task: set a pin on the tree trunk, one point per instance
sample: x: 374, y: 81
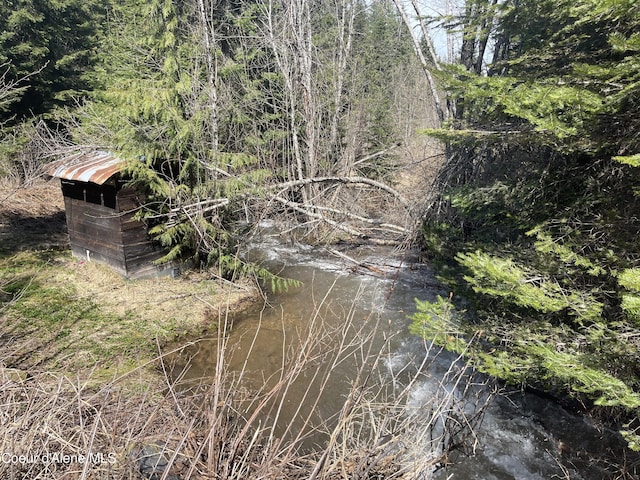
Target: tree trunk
x: 346, y: 22
x: 442, y: 113
x: 210, y: 44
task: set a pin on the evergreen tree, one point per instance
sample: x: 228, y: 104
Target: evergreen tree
x: 383, y: 51
x: 540, y: 228
x: 155, y: 110
x: 56, y: 43
x: 214, y: 102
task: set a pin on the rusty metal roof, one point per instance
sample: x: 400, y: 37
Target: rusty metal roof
x: 94, y: 167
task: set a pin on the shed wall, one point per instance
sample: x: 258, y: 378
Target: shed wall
x: 139, y: 251
x: 94, y: 233
x: 102, y: 228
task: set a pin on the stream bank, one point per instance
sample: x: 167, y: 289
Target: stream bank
x: 522, y: 435
x: 82, y: 384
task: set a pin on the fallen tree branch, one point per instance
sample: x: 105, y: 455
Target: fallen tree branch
x: 357, y: 263
x: 370, y: 221
x: 312, y: 212
x: 366, y: 158
x: 345, y: 180
x: 299, y: 208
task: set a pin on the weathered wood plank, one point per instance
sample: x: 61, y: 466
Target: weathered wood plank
x: 104, y: 227
x: 138, y: 235
x: 79, y: 252
x: 89, y: 242
x: 134, y: 256
x: 130, y: 224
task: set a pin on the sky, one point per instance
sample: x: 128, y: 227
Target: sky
x: 445, y: 45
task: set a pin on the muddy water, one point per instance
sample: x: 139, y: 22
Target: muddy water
x: 522, y: 436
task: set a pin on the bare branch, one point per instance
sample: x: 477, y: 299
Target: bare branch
x: 346, y: 180
x: 11, y: 88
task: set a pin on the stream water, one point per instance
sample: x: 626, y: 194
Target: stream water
x: 522, y: 435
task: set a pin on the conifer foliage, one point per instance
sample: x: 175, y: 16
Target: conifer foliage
x: 159, y: 110
x: 58, y: 40
x: 230, y: 110
x: 539, y: 220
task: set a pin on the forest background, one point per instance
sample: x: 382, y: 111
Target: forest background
x: 234, y: 111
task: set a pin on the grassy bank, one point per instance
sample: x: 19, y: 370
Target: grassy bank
x: 80, y: 348
x: 59, y: 313
x: 85, y: 391
x: 65, y: 314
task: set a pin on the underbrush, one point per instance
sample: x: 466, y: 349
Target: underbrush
x: 56, y: 424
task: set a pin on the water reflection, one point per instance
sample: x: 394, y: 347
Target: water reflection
x: 520, y: 435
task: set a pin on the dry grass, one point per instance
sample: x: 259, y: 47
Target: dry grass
x: 41, y: 199
x: 222, y: 430
x: 85, y: 393
x: 157, y: 301
x: 48, y: 416
x: 31, y: 217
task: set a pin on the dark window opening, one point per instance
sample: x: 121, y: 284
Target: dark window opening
x: 90, y: 192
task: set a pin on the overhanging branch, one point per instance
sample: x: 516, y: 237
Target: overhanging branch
x: 345, y: 180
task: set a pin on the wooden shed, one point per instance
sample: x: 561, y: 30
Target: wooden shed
x: 100, y: 211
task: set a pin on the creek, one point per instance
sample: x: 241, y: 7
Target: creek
x: 522, y: 436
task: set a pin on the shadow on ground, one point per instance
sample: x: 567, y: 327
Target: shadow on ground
x: 32, y: 218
